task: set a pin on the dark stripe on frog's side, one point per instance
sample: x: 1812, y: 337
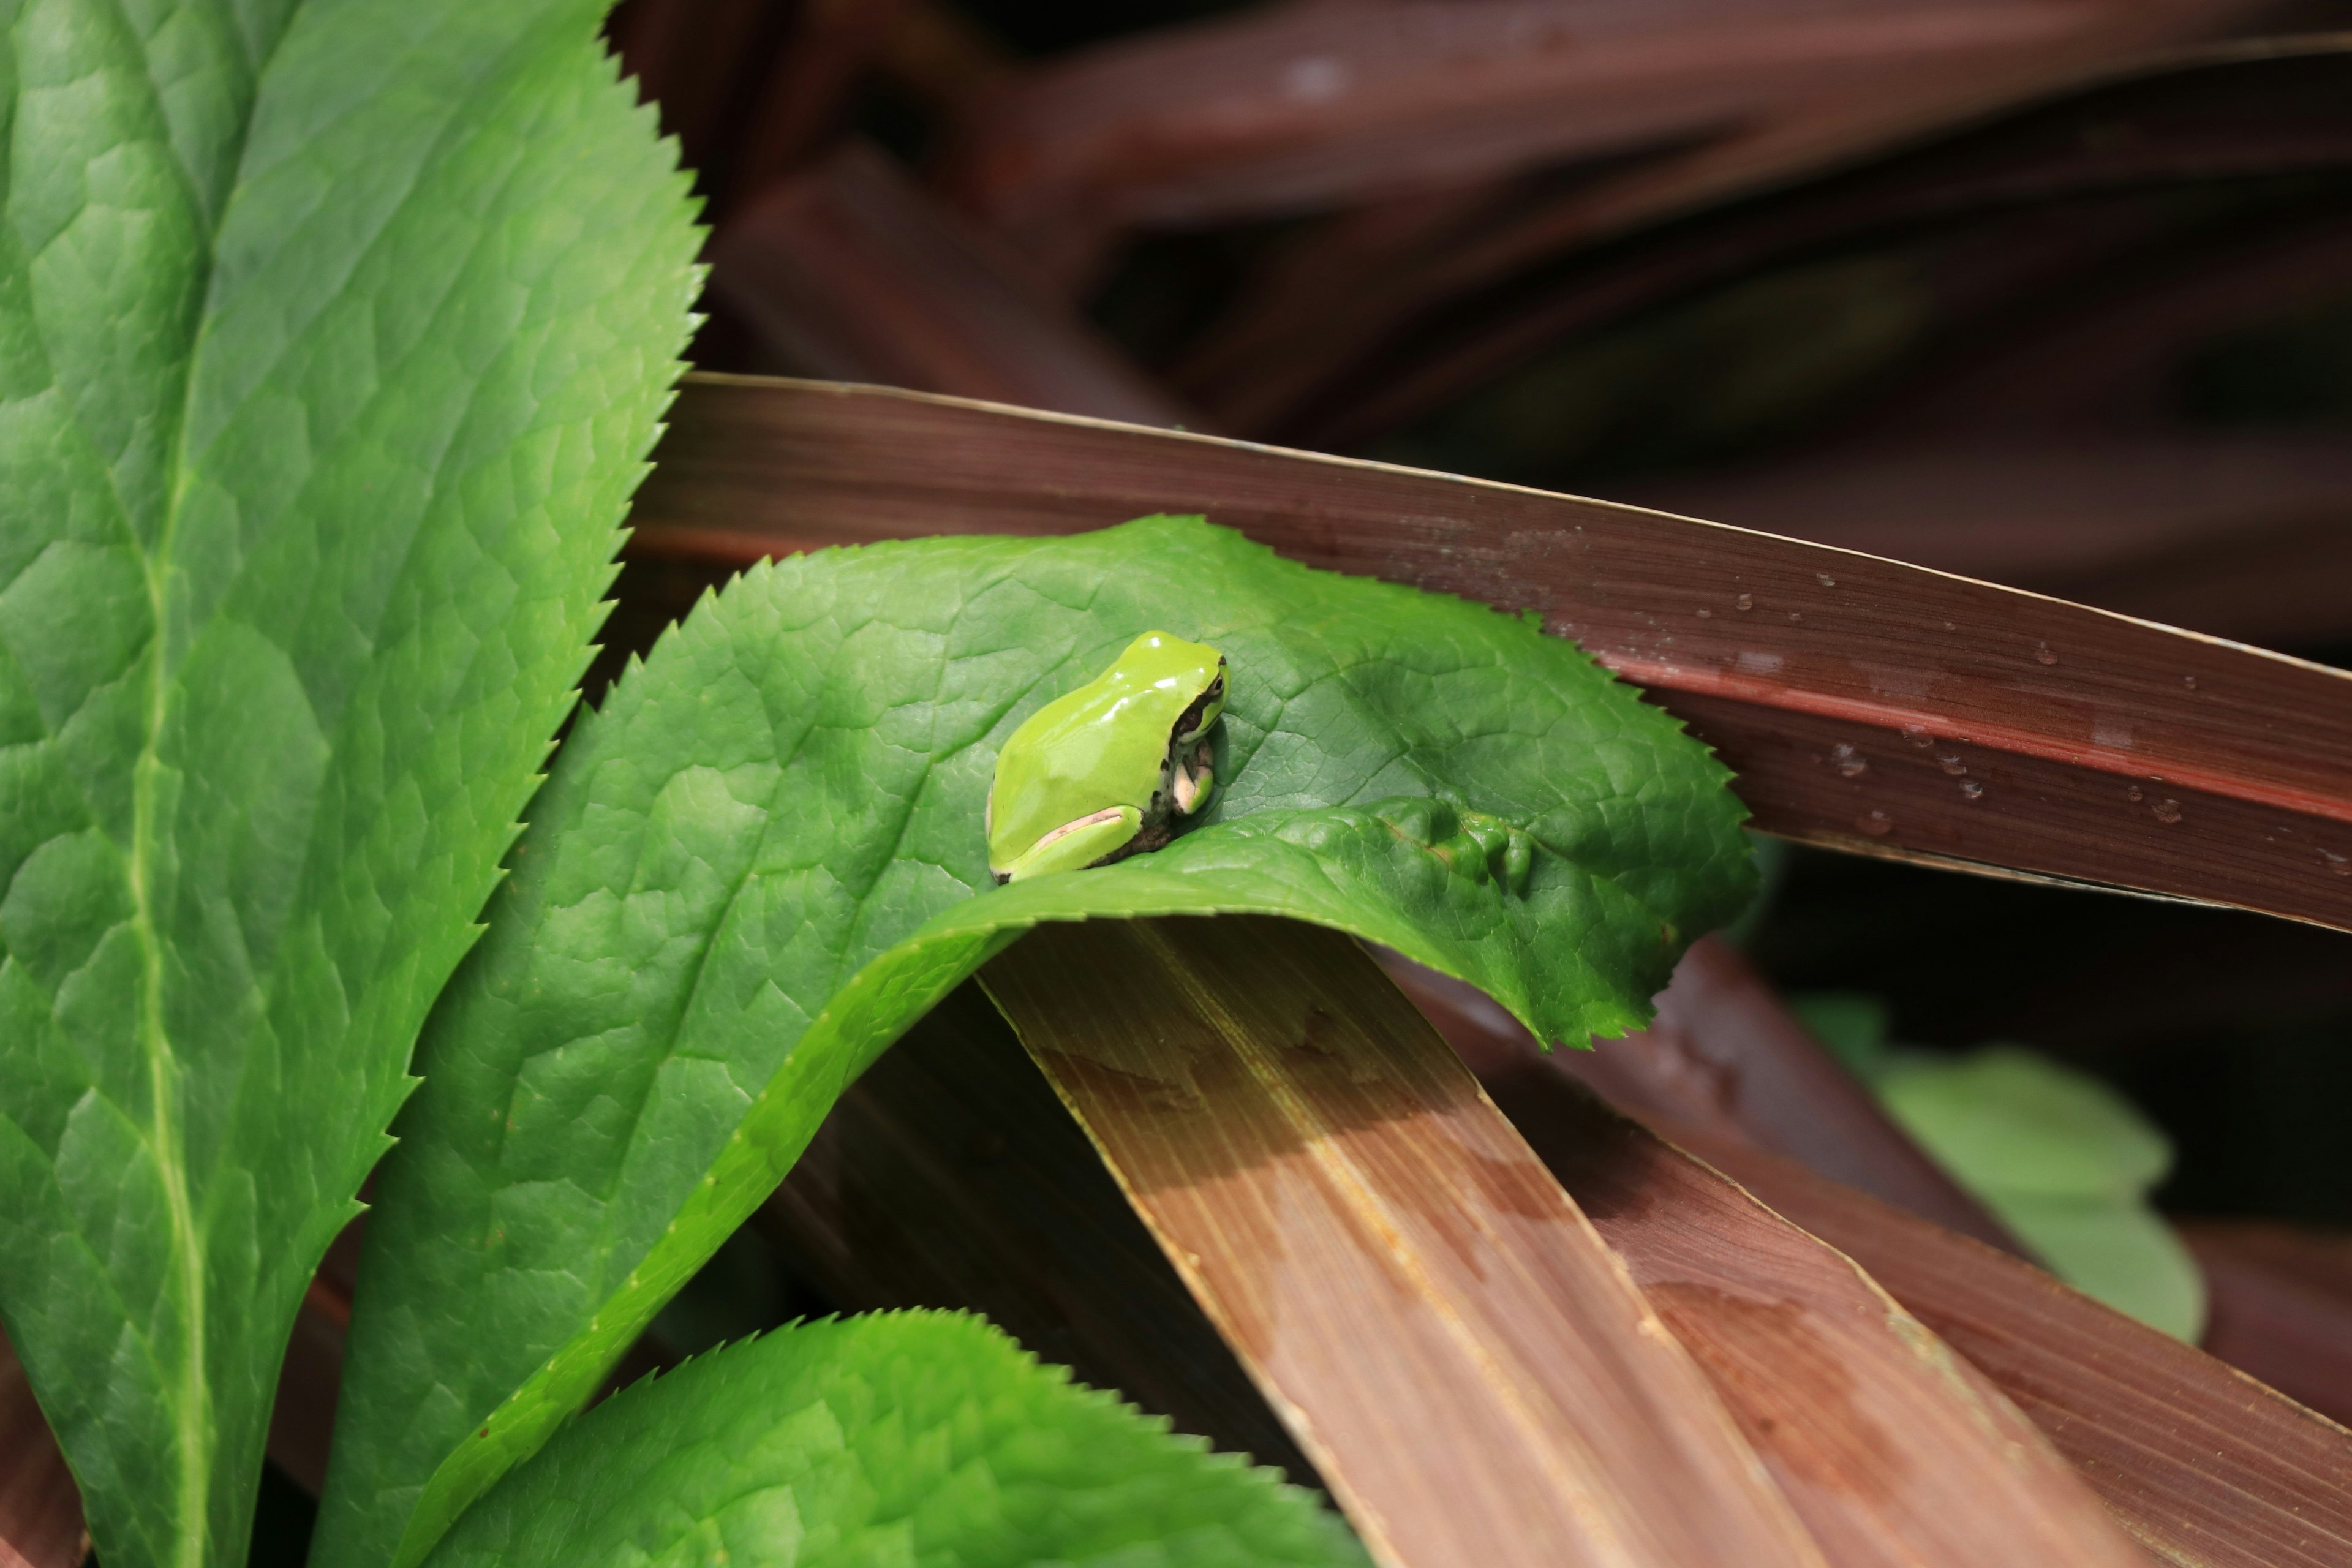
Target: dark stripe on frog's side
x: 1188, y: 721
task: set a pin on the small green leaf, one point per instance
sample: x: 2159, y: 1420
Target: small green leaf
x: 764, y: 860
x: 1851, y: 1027
x: 332, y: 337
x: 2014, y: 1118
x: 917, y: 1437
x: 2118, y: 1252
x: 2064, y: 1161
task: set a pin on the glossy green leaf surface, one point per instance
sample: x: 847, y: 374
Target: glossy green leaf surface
x: 764, y: 858
x: 917, y: 1437
x: 332, y: 341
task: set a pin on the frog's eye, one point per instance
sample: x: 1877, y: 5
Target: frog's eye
x: 1190, y: 724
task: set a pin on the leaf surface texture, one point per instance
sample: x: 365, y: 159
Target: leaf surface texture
x: 915, y: 1438
x: 332, y: 338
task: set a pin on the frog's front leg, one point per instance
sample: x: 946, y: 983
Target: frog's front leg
x: 1076, y: 844
x: 1192, y: 779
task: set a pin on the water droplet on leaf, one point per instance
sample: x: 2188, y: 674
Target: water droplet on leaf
x: 1746, y: 601
x: 1850, y: 762
x: 2043, y: 656
x: 2167, y: 811
x: 1877, y: 823
x: 1971, y: 790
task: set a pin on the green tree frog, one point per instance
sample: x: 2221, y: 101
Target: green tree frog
x: 1111, y: 768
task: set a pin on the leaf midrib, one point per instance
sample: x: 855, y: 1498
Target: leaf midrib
x: 164, y: 1135
x: 192, y: 1423
x: 191, y: 1420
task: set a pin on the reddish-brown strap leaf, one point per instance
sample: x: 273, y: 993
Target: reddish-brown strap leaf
x: 2206, y: 1467
x: 702, y: 61
x: 950, y: 1176
x: 751, y: 89
x: 2281, y: 1306
x: 1865, y: 704
x: 302, y: 1418
x: 1417, y: 325
x: 2080, y: 319
x: 849, y: 269
x: 1893, y: 1448
x: 1725, y: 1055
x: 807, y: 91
x: 1469, y: 1369
x: 40, y: 1507
x: 2238, y: 536
x: 1285, y: 107
x: 942, y: 58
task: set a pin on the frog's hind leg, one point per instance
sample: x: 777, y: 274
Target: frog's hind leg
x: 1106, y: 836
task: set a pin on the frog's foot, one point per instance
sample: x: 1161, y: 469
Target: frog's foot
x: 1191, y: 780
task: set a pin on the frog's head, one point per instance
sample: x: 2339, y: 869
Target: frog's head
x: 1179, y: 667
x: 1172, y: 668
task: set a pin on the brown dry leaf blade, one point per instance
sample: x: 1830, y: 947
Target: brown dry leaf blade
x: 1865, y: 704
x: 2040, y: 444
x: 2207, y: 1467
x: 850, y: 269
x: 1892, y: 1447
x: 1725, y: 1055
x: 1508, y: 287
x: 2281, y: 1307
x: 950, y: 1176
x: 749, y: 90
x: 40, y: 1508
x: 2238, y: 536
x: 2203, y: 1466
x: 1443, y: 292
x: 1288, y: 107
x: 1328, y: 1181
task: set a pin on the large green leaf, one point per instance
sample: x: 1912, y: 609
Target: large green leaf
x: 764, y: 860
x: 917, y: 1437
x: 332, y: 341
